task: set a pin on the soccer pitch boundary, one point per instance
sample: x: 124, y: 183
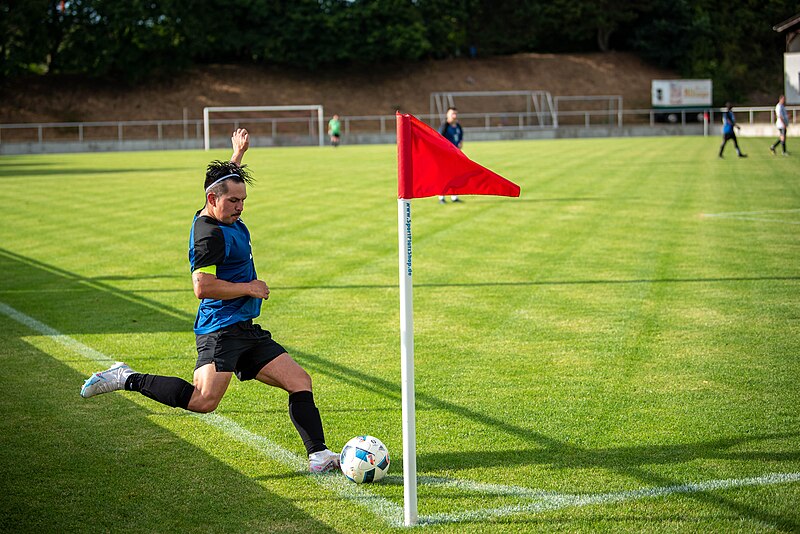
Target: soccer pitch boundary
x: 392, y: 513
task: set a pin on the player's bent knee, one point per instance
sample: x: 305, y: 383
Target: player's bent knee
x: 300, y: 381
x: 202, y: 404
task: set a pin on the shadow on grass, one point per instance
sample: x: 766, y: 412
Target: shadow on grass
x: 101, y: 465
x: 36, y: 170
x: 565, y: 456
x: 629, y: 461
x: 101, y: 308
x: 710, y: 280
x: 83, y: 305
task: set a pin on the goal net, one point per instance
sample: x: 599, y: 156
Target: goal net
x: 267, y: 125
x: 496, y: 109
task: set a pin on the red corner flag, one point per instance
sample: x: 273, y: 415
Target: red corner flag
x: 430, y: 165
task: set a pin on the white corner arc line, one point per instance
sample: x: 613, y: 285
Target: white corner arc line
x: 558, y: 501
x: 381, y: 507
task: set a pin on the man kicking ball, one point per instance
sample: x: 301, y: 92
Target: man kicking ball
x: 228, y: 342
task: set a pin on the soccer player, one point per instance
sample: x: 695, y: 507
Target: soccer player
x: 228, y: 342
x: 728, y: 124
x: 451, y: 130
x: 782, y: 124
x: 334, y: 130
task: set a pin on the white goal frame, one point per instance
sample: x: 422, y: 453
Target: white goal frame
x: 227, y: 109
x: 538, y: 103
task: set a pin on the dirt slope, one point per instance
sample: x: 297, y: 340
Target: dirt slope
x: 372, y: 90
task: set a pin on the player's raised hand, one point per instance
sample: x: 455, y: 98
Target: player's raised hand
x: 240, y: 140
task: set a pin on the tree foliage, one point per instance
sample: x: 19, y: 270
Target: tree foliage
x: 731, y: 42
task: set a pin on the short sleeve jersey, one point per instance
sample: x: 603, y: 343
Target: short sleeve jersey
x: 452, y: 133
x: 727, y: 122
x: 781, y: 117
x: 334, y: 127
x: 223, y: 250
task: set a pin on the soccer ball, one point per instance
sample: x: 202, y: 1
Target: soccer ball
x: 364, y: 459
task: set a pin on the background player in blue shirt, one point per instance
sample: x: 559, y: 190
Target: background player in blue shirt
x: 228, y: 342
x: 451, y: 130
x: 728, y: 125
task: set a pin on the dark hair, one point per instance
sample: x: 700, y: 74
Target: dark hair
x: 453, y: 108
x: 217, y: 169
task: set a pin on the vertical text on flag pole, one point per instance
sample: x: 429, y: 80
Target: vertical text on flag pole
x: 408, y: 237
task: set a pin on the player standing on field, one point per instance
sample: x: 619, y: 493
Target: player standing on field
x: 782, y: 124
x: 335, y: 130
x: 728, y: 124
x: 452, y: 131
x: 228, y: 342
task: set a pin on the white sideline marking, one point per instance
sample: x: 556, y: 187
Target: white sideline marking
x: 385, y: 509
x: 391, y: 512
x: 478, y: 487
x: 557, y: 501
x: 70, y: 343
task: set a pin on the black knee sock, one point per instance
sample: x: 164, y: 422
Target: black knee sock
x: 783, y: 145
x: 305, y: 416
x: 168, y: 390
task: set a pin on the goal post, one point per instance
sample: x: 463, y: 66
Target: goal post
x: 533, y: 109
x: 237, y: 109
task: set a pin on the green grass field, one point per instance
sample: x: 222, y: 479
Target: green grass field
x: 616, y: 350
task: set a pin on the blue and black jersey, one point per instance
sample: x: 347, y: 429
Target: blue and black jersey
x: 728, y: 122
x: 452, y: 133
x: 224, y: 251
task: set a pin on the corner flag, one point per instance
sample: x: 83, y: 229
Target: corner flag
x: 430, y: 165
x: 427, y: 165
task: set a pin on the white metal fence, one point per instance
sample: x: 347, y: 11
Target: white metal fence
x: 305, y: 130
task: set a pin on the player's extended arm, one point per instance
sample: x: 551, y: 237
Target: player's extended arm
x: 240, y: 140
x: 208, y: 286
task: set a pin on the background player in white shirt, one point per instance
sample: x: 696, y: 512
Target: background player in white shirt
x: 782, y: 124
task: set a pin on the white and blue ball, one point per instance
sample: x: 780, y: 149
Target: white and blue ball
x: 364, y: 459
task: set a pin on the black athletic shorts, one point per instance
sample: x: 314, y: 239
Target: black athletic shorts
x: 242, y: 348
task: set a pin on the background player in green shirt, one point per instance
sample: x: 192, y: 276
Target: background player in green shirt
x: 334, y: 130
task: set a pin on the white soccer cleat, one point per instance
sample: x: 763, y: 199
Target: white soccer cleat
x: 323, y: 461
x: 112, y: 379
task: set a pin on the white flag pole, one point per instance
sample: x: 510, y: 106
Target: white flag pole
x: 407, y: 363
